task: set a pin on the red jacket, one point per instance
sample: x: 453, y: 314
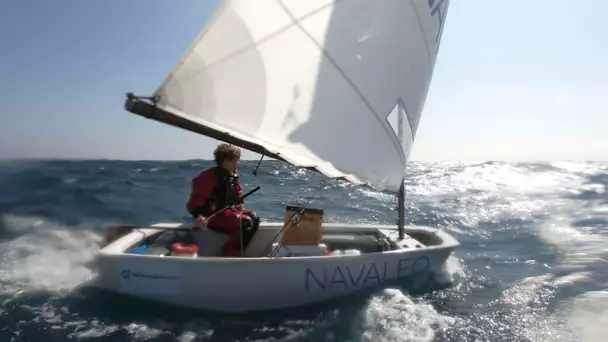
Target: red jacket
x: 202, y: 188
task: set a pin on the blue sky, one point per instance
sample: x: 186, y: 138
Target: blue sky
x: 515, y: 80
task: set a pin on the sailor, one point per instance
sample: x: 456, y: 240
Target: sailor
x: 219, y: 187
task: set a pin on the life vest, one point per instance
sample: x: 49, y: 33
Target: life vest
x: 225, y: 193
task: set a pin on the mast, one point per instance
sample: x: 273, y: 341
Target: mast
x: 401, y: 211
x: 401, y: 193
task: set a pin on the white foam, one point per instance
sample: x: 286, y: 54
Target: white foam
x: 450, y: 269
x: 586, y: 317
x: 392, y: 316
x: 46, y: 255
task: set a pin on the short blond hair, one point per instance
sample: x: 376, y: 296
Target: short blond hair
x: 225, y: 151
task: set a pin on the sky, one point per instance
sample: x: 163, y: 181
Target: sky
x: 515, y: 80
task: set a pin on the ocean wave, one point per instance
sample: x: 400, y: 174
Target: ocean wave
x: 531, y: 266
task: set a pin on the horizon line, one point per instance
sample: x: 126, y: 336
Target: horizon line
x: 275, y: 160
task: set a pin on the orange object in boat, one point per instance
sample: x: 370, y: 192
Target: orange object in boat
x: 184, y: 249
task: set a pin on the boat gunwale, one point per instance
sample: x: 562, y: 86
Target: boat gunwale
x: 448, y: 243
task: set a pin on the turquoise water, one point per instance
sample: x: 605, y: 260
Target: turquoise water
x: 532, y: 265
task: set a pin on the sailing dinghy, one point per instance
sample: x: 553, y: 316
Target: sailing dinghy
x: 333, y: 86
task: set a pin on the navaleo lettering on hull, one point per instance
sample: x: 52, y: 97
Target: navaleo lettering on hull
x: 366, y: 274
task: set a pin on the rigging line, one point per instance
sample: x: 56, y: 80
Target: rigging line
x: 255, y: 171
x: 294, y: 218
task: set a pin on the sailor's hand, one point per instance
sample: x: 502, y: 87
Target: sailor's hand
x: 201, y: 222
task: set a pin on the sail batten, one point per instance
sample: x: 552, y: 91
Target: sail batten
x: 314, y: 83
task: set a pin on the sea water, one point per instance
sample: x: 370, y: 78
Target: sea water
x: 532, y: 265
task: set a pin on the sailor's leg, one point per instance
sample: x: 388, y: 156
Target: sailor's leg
x: 255, y: 218
x: 241, y: 226
x: 249, y: 228
x: 228, y: 224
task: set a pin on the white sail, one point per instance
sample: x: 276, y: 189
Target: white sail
x: 314, y: 81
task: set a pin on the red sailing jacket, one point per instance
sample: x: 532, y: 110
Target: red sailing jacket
x: 204, y: 186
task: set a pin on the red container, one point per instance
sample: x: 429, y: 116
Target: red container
x: 184, y: 249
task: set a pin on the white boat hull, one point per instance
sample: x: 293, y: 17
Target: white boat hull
x: 258, y: 283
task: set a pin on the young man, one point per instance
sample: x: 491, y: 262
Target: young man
x: 216, y: 188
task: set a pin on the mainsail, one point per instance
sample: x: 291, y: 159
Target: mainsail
x: 337, y: 86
